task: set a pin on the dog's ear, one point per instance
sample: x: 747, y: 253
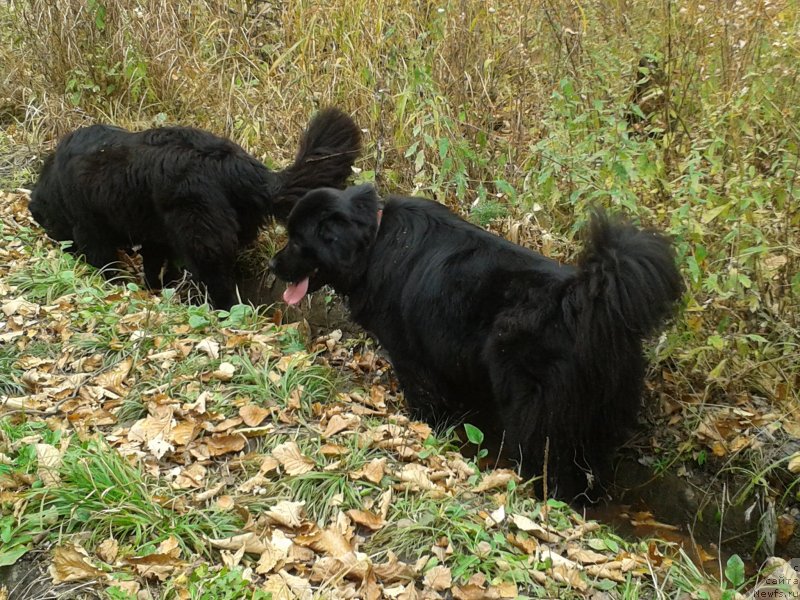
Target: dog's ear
x: 362, y: 199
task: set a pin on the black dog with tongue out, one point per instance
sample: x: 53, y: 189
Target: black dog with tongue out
x: 547, y: 357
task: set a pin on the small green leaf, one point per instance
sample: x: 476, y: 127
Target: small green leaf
x: 734, y: 571
x: 444, y: 145
x: 604, y: 584
x: 12, y: 555
x: 197, y: 321
x: 474, y: 435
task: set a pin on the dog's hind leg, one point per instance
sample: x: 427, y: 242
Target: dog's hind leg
x: 535, y: 404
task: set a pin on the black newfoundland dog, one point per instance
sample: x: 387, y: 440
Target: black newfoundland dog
x: 184, y: 195
x: 545, y: 356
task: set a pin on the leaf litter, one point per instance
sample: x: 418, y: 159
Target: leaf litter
x: 226, y: 417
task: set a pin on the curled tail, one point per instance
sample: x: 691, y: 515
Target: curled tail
x: 328, y: 148
x: 628, y: 281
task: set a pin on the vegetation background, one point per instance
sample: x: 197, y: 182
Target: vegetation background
x: 521, y: 115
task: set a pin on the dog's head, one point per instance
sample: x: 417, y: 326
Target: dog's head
x: 330, y: 235
x: 44, y: 206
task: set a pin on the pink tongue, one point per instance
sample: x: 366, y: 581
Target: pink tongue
x: 295, y: 291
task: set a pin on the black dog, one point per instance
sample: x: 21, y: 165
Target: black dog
x: 548, y: 356
x: 182, y: 194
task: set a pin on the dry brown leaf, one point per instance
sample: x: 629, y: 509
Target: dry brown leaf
x: 330, y: 542
x: 527, y: 544
x: 284, y: 586
x: 19, y: 306
x: 107, y: 550
x: 224, y: 372
x: 222, y: 444
x: 605, y: 572
x: 114, y: 378
x: 292, y: 460
x: 276, y: 552
x: 190, y: 477
x: 794, y: 463
x: 184, y: 432
x: 423, y: 430
x: 525, y: 524
x: 498, y: 478
x: 225, y: 503
x: 155, y: 566
x: 210, y: 347
x: 210, y: 492
x: 333, y: 450
x: 438, y: 578
x: 496, y: 517
x: 582, y: 530
x: 394, y: 570
x: 585, y: 556
x: 373, y: 471
x: 366, y: 518
x: 338, y: 423
x: 251, y: 542
x: 253, y: 415
x: 287, y: 513
x: 70, y: 563
x: 159, y: 424
x: 417, y: 475
x: 170, y: 547
x: 48, y: 460
x: 569, y: 576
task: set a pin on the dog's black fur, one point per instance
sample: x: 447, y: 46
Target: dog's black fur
x: 182, y: 194
x: 548, y: 356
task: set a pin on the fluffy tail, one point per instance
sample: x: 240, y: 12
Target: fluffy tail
x: 328, y: 149
x: 626, y: 287
x: 628, y: 283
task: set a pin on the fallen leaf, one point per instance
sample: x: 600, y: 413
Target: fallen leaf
x: 223, y: 444
x: 416, y: 474
x: 292, y: 460
x: 438, y: 578
x: 585, y: 556
x: 155, y: 566
x: 70, y: 563
x: 794, y: 463
x: 525, y: 524
x: 251, y: 542
x: 496, y: 517
x: 338, y: 423
x: 373, y: 471
x: 330, y: 542
x: 210, y: 347
x: 253, y: 415
x: 107, y: 550
x: 333, y: 450
x: 156, y: 425
x: 190, y: 477
x: 48, y: 460
x: 498, y: 478
x: 224, y: 372
x: 287, y: 513
x: 114, y: 378
x: 366, y: 518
